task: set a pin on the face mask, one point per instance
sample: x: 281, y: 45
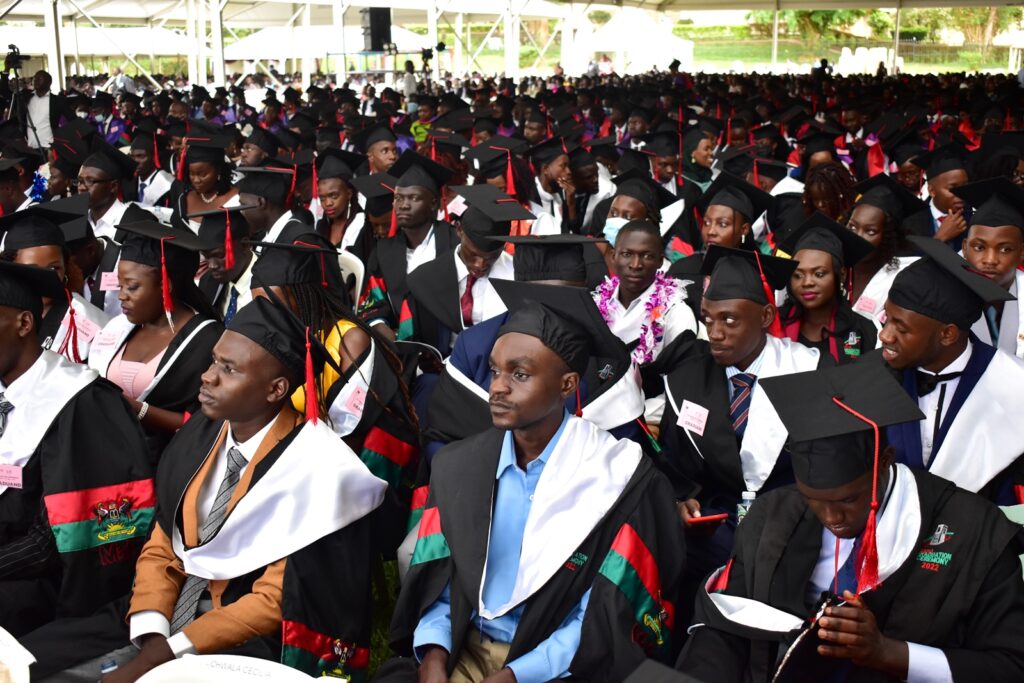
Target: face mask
x: 82, y: 114
x: 100, y: 118
x: 612, y: 227
x: 607, y: 111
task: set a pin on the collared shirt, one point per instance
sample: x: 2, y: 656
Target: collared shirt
x: 152, y: 621
x: 275, y: 230
x: 39, y: 118
x: 17, y: 395
x: 513, y: 499
x: 754, y: 369
x: 929, y: 404
x: 548, y: 211
x: 105, y: 225
x: 627, y: 321
x: 486, y: 302
x: 243, y: 285
x: 426, y: 251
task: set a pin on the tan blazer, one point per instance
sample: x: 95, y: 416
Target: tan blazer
x: 159, y: 573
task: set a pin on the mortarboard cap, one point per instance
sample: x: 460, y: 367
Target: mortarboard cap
x: 736, y: 194
x: 941, y: 160
x: 737, y: 274
x: 547, y: 151
x: 640, y: 186
x: 883, y: 192
x: 550, y: 257
x: 222, y: 228
x: 414, y: 170
x: 490, y: 214
x: 997, y: 202
x: 943, y: 286
x: 23, y: 287
x: 821, y: 233
x: 265, y: 140
x: 273, y: 182
x: 379, y: 190
x: 337, y: 163
x: 367, y: 137
x: 305, y: 259
x: 116, y: 164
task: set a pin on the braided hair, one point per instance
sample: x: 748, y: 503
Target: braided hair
x: 835, y: 182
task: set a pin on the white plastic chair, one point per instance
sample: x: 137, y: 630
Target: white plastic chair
x: 223, y: 669
x: 351, y: 265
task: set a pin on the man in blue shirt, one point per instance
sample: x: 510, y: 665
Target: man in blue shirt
x: 512, y: 579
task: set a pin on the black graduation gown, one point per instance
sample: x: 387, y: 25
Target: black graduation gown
x: 361, y: 248
x: 386, y: 273
x: 49, y: 326
x: 94, y: 448
x: 855, y: 334
x: 617, y: 633
x: 108, y: 264
x: 972, y: 607
x: 434, y: 292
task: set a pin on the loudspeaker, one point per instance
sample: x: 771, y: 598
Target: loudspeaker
x: 376, y: 28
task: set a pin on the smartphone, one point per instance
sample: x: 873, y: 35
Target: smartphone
x: 708, y: 518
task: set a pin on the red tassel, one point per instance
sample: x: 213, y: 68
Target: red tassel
x: 229, y: 247
x: 180, y: 172
x: 433, y: 148
x: 728, y: 131
x: 71, y: 339
x: 156, y: 154
x: 312, y: 408
x: 444, y: 203
x: 291, y: 190
x: 165, y: 283
x: 579, y: 403
x: 316, y: 182
x: 510, y: 178
x: 757, y: 176
x: 776, y: 327
x: 472, y: 138
x: 867, y: 557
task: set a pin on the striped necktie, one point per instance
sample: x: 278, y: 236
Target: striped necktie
x: 194, y: 586
x: 743, y: 384
x: 5, y: 408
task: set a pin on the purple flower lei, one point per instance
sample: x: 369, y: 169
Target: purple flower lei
x: 652, y: 331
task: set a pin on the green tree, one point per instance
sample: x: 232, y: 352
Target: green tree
x: 599, y: 17
x: 810, y: 25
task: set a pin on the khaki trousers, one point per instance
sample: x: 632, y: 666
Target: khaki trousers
x: 479, y: 659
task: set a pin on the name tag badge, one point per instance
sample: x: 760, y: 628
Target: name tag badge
x: 108, y: 282
x: 104, y: 340
x: 693, y: 417
x: 87, y: 329
x: 10, y: 476
x: 356, y: 401
x: 865, y: 304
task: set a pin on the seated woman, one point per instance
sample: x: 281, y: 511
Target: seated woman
x: 829, y: 188
x: 68, y: 325
x: 365, y: 396
x: 343, y: 223
x: 206, y: 179
x: 817, y: 313
x: 158, y: 347
x: 877, y: 216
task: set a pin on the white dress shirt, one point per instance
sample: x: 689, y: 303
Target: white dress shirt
x: 627, y: 320
x: 152, y: 621
x: 929, y: 404
x: 426, y: 251
x: 154, y: 187
x: 106, y: 225
x: 754, y: 369
x: 486, y: 302
x: 39, y: 118
x: 275, y: 230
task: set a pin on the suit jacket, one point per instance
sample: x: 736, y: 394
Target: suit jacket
x: 235, y: 618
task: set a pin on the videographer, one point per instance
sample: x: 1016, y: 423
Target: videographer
x: 42, y: 114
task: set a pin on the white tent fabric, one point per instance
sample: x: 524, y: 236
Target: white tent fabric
x: 282, y: 42
x: 91, y: 41
x: 619, y: 37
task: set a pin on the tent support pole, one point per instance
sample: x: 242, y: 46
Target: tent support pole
x: 106, y: 35
x: 896, y: 39
x: 435, y: 63
x: 51, y: 19
x: 338, y: 15
x: 775, y: 38
x: 217, y: 33
x: 190, y: 32
x: 307, y: 59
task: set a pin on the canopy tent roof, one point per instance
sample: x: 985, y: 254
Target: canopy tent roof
x: 281, y: 42
x: 633, y: 56
x: 87, y: 40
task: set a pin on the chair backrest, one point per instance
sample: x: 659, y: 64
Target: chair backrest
x: 351, y: 266
x: 223, y: 669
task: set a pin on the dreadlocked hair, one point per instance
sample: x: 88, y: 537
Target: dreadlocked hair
x: 835, y: 182
x: 894, y: 241
x: 321, y: 308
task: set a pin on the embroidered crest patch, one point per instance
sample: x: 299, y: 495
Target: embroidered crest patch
x: 115, y: 519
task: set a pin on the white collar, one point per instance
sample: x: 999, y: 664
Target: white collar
x: 149, y: 179
x: 959, y: 365
x: 639, y: 301
x: 23, y: 386
x: 251, y: 445
x: 753, y: 369
x: 461, y: 271
x: 278, y: 226
x: 934, y: 209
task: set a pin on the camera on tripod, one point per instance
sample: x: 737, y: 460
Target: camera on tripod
x: 14, y: 58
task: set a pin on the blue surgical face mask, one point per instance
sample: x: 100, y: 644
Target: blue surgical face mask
x: 612, y: 227
x: 100, y: 118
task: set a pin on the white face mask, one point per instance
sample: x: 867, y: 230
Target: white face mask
x: 82, y: 114
x: 100, y: 118
x: 612, y: 227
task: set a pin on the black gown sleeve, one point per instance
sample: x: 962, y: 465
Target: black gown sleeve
x: 32, y: 554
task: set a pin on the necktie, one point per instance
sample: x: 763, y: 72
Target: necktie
x: 192, y: 589
x: 744, y: 385
x: 992, y: 319
x: 926, y: 382
x: 5, y: 408
x: 466, y: 302
x: 232, y: 306
x: 142, y: 190
x: 846, y: 577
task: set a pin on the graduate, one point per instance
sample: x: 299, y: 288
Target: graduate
x: 157, y: 348
x: 638, y: 197
x: 421, y: 237
x: 610, y: 394
x: 69, y: 323
x: 721, y: 440
x: 76, y: 496
x: 343, y: 222
x: 103, y: 176
x: 965, y: 387
x: 994, y: 246
x: 152, y: 184
x: 224, y: 234
x: 920, y: 579
x: 817, y: 313
x: 503, y: 553
x: 378, y: 143
x: 553, y: 199
x: 879, y: 215
x: 259, y: 147
x: 268, y: 191
x: 222, y: 571
x: 204, y: 177
x: 945, y: 170
x: 454, y: 292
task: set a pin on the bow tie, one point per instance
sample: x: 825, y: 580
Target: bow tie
x: 926, y: 382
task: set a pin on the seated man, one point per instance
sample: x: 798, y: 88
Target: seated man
x: 511, y: 579
x: 919, y: 580
x: 977, y: 438
x: 225, y: 570
x: 722, y: 442
x: 76, y: 494
x: 995, y: 247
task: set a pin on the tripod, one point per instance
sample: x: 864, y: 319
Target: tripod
x: 12, y: 63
